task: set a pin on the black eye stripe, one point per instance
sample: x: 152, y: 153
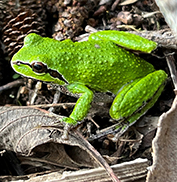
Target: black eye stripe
x: 56, y: 74
x: 39, y: 67
x: 20, y: 62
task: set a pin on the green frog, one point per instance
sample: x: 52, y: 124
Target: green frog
x: 100, y: 64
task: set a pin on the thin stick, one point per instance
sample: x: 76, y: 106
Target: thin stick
x: 171, y: 64
x: 98, y: 157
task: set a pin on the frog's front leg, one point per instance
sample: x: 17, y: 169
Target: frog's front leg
x: 82, y: 105
x: 138, y: 96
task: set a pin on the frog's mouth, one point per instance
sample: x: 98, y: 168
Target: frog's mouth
x: 40, y: 69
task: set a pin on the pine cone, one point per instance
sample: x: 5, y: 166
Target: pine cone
x: 20, y: 23
x: 3, y: 11
x: 71, y: 18
x: 1, y: 67
x: 37, y: 7
x: 51, y: 7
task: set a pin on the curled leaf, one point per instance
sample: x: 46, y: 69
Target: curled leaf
x: 32, y: 131
x: 165, y: 148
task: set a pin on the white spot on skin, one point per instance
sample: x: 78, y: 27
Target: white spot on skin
x: 97, y: 46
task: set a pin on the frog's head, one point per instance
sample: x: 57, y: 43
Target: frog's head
x: 32, y: 61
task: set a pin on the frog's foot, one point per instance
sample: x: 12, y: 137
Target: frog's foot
x: 66, y: 129
x: 69, y: 123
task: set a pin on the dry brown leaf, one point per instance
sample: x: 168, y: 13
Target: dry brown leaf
x: 165, y: 148
x: 29, y: 131
x: 169, y: 11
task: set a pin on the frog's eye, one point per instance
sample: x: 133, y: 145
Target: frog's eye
x: 39, y: 67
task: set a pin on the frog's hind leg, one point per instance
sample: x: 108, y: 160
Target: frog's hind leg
x: 137, y: 97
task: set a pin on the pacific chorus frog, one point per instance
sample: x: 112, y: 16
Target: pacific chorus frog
x: 95, y: 65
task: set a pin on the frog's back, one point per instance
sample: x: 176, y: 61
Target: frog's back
x: 101, y: 65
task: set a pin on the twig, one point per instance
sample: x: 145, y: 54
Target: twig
x: 45, y: 105
x: 98, y: 157
x: 164, y: 38
x: 171, y: 64
x: 113, y: 7
x: 13, y: 84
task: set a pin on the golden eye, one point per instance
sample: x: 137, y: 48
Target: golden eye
x: 39, y: 67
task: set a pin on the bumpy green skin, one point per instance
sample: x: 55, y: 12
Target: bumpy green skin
x: 125, y: 39
x: 97, y: 65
